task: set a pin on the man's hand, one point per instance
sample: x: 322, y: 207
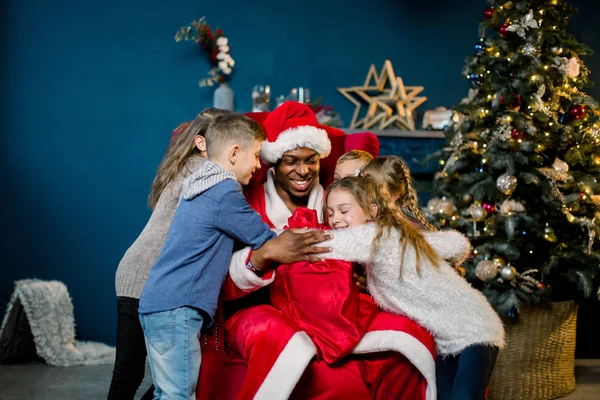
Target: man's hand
x: 290, y: 247
x: 360, y: 276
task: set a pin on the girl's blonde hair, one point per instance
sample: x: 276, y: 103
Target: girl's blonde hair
x: 355, y: 155
x: 389, y: 215
x: 393, y: 173
x: 180, y: 149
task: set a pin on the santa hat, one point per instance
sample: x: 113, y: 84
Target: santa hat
x: 289, y: 126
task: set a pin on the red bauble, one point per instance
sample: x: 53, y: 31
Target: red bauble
x: 577, y: 111
x: 490, y: 208
x: 503, y: 29
x: 516, y: 134
x: 487, y: 14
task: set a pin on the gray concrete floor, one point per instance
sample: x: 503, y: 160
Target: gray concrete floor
x: 37, y: 381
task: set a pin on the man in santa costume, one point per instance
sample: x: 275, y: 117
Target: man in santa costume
x: 395, y: 358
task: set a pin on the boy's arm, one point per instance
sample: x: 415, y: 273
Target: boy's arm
x: 351, y: 244
x: 236, y: 219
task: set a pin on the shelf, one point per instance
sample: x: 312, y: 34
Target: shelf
x: 399, y: 133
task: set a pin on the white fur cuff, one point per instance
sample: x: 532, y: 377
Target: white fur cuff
x: 244, y: 278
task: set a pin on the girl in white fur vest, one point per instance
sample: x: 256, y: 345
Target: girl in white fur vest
x: 407, y: 274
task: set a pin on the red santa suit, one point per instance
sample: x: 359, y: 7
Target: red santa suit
x: 269, y: 357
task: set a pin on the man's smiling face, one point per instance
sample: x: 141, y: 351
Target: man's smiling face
x: 297, y: 171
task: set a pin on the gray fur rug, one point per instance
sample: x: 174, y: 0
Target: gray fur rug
x: 50, y: 314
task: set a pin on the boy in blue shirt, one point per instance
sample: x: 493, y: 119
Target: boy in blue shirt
x: 182, y: 291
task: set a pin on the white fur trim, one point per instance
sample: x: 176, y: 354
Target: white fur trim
x: 290, y: 139
x: 450, y: 245
x: 242, y: 276
x: 407, y: 345
x: 287, y: 369
x: 277, y: 211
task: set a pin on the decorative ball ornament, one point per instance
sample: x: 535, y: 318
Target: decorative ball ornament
x: 549, y: 234
x: 478, y: 213
x: 508, y: 273
x: 556, y: 50
x: 467, y: 197
x: 517, y: 134
x: 506, y: 184
x: 489, y: 208
x: 486, y: 270
x: 488, y: 12
x: 508, y: 5
x: 577, y: 111
x: 503, y: 29
x: 499, y: 261
x: 560, y: 166
x: 445, y: 207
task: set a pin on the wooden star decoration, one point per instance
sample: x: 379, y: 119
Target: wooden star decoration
x: 389, y: 102
x: 375, y: 84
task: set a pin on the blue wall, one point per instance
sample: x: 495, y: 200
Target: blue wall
x: 90, y: 92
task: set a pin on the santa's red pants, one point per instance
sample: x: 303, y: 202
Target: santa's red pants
x: 265, y: 339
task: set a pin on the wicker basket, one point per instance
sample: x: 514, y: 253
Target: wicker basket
x: 538, y: 362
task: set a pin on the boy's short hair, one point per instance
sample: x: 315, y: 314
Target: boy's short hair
x: 355, y: 155
x: 231, y: 128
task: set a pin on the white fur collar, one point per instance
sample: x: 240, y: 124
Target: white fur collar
x: 278, y: 212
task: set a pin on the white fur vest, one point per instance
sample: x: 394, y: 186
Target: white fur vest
x: 456, y: 314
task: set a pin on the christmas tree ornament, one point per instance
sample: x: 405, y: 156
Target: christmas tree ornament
x: 489, y: 208
x: 461, y: 270
x: 563, y: 118
x: 507, y: 207
x: 488, y: 12
x: 506, y: 184
x: 503, y: 30
x: 560, y: 165
x: 577, y: 111
x: 445, y: 207
x: 478, y: 212
x: 490, y: 227
x: 517, y: 135
x: 529, y: 49
x: 479, y: 47
x: 475, y: 79
x: 508, y: 273
x: 508, y: 5
x: 524, y: 24
x: 486, y: 270
x: 556, y: 50
x: 549, y: 234
x: 467, y: 198
x: 499, y: 261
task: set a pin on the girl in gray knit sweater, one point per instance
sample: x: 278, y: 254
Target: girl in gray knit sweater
x: 184, y: 156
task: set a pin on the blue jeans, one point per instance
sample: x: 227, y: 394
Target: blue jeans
x: 172, y: 340
x: 466, y: 375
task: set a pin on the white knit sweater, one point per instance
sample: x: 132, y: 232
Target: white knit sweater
x: 456, y: 314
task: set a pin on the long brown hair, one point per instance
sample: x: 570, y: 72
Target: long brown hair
x: 180, y: 149
x: 393, y: 173
x: 389, y: 215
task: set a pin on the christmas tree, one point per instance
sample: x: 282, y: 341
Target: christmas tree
x: 520, y: 175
